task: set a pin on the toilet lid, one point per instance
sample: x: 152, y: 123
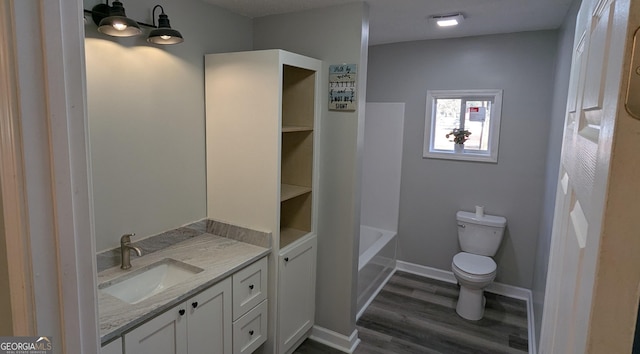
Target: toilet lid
x: 474, y: 264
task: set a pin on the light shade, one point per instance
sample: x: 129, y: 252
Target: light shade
x: 447, y: 20
x: 164, y: 34
x: 117, y: 24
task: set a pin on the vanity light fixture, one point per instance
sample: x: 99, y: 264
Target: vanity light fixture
x: 447, y: 20
x: 111, y: 20
x: 163, y: 34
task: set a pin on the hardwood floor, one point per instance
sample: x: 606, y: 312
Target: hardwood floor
x: 413, y: 314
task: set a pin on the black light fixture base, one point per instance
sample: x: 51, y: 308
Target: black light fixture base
x: 163, y: 34
x: 99, y: 12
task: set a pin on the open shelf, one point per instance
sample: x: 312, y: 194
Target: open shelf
x: 290, y: 235
x: 295, y: 218
x: 288, y: 191
x: 298, y: 96
x: 297, y: 158
x: 296, y: 128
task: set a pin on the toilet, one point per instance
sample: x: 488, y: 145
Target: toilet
x: 480, y: 238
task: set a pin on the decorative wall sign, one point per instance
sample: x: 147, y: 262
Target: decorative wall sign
x: 342, y: 87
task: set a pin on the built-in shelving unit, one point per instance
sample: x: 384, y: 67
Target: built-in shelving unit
x: 298, y: 112
x: 262, y: 129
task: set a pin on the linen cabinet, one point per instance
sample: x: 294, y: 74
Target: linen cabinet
x: 262, y: 133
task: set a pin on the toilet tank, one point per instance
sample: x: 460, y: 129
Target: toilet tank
x: 480, y: 235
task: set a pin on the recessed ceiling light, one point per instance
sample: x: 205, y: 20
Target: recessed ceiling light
x: 447, y: 20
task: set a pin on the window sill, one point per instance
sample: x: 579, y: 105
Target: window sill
x: 460, y: 156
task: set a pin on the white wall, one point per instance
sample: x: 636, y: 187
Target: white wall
x: 335, y: 35
x: 522, y: 64
x: 146, y: 118
x: 382, y: 165
x: 556, y: 129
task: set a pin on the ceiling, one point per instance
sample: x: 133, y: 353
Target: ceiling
x: 406, y: 20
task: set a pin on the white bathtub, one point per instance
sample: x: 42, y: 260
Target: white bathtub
x: 372, y: 240
x: 376, y: 263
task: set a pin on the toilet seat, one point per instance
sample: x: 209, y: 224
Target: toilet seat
x: 473, y: 264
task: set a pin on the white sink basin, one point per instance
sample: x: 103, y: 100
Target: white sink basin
x: 148, y: 281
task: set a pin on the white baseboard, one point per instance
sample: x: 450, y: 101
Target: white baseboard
x: 425, y: 271
x: 495, y: 288
x: 335, y: 340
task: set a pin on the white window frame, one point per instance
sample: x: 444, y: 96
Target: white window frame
x: 469, y: 155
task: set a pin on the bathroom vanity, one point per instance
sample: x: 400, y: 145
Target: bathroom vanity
x: 218, y: 303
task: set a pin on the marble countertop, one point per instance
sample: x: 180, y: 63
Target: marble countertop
x: 219, y: 257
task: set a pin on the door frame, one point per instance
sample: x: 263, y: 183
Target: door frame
x: 13, y: 208
x: 608, y: 325
x: 51, y: 102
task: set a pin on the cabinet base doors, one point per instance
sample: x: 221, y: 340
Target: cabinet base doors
x: 209, y: 327
x: 201, y: 325
x: 165, y: 334
x: 296, y: 295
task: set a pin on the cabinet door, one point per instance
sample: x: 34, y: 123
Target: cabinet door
x: 209, y: 326
x: 296, y: 292
x: 165, y: 334
x: 114, y: 347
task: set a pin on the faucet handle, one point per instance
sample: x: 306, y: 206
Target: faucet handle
x: 126, y: 238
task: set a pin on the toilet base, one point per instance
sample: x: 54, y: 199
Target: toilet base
x: 471, y: 303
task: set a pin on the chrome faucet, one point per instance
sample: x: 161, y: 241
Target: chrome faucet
x: 125, y: 250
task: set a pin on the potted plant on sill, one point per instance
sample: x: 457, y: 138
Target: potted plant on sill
x: 459, y: 137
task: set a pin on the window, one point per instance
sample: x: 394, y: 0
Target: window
x: 477, y: 111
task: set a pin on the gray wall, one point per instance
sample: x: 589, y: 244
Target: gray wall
x: 558, y: 110
x: 334, y: 35
x: 146, y: 118
x: 522, y: 64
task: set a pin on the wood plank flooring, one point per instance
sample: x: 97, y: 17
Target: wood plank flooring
x: 413, y: 314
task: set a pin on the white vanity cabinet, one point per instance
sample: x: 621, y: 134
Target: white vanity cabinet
x: 114, y: 347
x: 262, y: 133
x: 229, y: 317
x: 201, y: 324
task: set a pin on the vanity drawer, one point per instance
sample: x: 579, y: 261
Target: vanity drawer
x: 249, y: 287
x: 250, y: 331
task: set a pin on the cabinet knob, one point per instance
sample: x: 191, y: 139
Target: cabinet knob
x: 251, y: 332
x: 194, y: 304
x: 181, y: 312
x: 286, y: 259
x: 251, y: 286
